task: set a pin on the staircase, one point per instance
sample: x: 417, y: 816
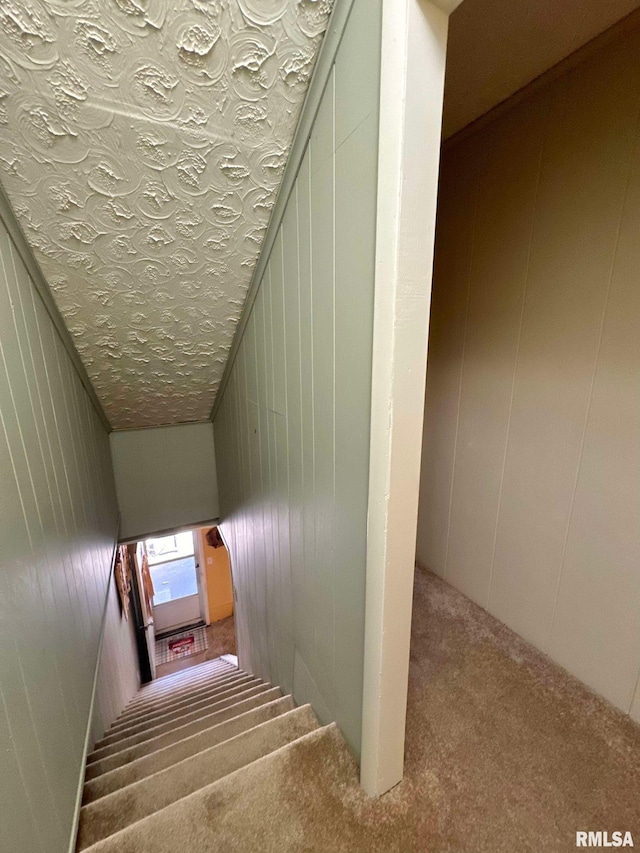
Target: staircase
x: 186, y: 746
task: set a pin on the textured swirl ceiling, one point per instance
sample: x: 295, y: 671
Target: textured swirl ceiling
x: 142, y: 143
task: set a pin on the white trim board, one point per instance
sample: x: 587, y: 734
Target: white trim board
x: 413, y: 54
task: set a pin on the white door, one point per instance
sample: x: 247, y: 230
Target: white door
x: 175, y: 572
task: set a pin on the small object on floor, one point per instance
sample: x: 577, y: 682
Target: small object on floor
x: 181, y: 645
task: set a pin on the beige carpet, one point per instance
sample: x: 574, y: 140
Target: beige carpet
x: 505, y: 752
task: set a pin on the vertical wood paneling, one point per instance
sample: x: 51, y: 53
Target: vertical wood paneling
x: 63, y: 615
x: 58, y: 522
x: 598, y: 602
x: 322, y: 188
x: 19, y: 825
x: 264, y: 544
x: 305, y: 607
x: 118, y: 678
x: 587, y: 154
x: 23, y: 712
x: 294, y: 451
x: 546, y: 413
x: 182, y: 491
x: 281, y: 459
x: 41, y: 664
x: 503, y: 214
x: 453, y: 258
x: 296, y: 411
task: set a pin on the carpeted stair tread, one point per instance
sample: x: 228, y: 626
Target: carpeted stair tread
x: 199, y: 673
x: 173, y: 681
x: 180, y: 695
x: 183, y: 689
x: 208, y: 688
x: 212, y: 689
x: 143, y: 724
x: 187, y: 687
x: 152, y: 731
x: 187, y: 672
x: 215, y: 684
x: 163, y: 716
x: 185, y: 692
x: 183, y: 676
x: 159, y: 760
x: 136, y: 801
x: 131, y: 753
x: 286, y: 802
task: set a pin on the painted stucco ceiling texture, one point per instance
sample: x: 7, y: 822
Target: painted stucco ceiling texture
x: 142, y: 143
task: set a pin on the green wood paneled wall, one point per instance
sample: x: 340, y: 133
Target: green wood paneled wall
x: 57, y: 529
x: 292, y: 431
x: 165, y: 477
x: 118, y: 671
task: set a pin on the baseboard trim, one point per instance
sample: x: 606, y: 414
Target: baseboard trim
x: 87, y: 736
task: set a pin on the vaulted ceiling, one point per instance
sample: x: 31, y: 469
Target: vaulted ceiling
x: 142, y: 144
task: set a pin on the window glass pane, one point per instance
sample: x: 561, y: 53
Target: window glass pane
x: 169, y: 547
x: 175, y: 579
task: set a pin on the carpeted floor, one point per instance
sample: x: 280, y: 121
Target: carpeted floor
x: 506, y: 753
x: 505, y: 750
x: 221, y: 637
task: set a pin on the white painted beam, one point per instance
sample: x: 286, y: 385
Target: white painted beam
x: 414, y: 34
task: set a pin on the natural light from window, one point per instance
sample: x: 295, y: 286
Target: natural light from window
x: 173, y: 567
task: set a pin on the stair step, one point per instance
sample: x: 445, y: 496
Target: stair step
x: 184, y: 675
x: 185, y: 686
x: 154, y: 700
x: 139, y: 769
x: 136, y: 801
x: 156, y: 689
x: 127, y: 716
x: 131, y: 753
x: 186, y: 671
x: 237, y: 811
x: 154, y: 730
x: 142, y: 724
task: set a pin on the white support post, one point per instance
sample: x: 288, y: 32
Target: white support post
x: 414, y: 34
